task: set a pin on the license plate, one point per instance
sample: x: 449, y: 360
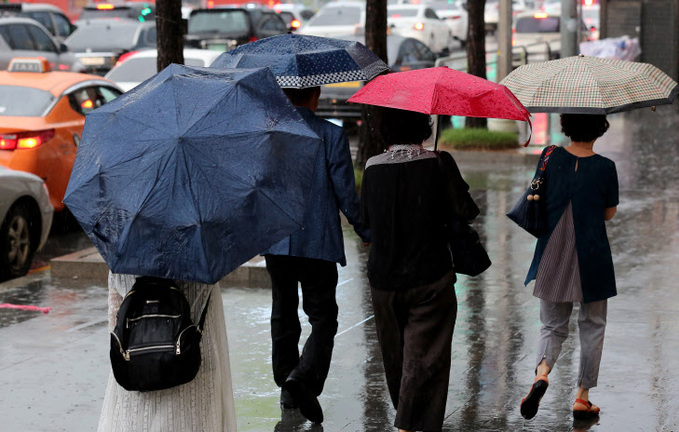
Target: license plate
x: 93, y: 61
x: 352, y: 84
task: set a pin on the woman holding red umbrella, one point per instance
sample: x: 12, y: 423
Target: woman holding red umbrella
x: 406, y: 196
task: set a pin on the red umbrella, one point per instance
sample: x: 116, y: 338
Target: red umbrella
x: 443, y: 91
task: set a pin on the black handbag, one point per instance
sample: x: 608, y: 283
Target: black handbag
x: 469, y: 256
x: 530, y: 212
x: 155, y: 345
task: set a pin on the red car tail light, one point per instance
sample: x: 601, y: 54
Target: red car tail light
x: 124, y: 57
x: 25, y: 140
x: 295, y: 24
x: 253, y: 39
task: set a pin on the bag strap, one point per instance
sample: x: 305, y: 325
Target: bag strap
x: 203, y: 314
x: 544, y: 158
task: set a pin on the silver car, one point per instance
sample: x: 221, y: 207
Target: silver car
x: 26, y: 215
x: 25, y: 37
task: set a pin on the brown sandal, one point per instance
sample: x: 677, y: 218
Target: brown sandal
x: 530, y: 404
x: 591, y: 411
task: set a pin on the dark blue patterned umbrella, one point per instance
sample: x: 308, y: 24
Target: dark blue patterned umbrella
x: 300, y: 61
x: 192, y: 173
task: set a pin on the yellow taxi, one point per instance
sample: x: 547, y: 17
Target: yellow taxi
x: 42, y: 115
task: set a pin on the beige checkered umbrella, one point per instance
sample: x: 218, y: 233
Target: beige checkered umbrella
x: 590, y: 85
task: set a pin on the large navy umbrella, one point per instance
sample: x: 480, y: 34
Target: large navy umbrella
x: 192, y: 173
x: 300, y: 61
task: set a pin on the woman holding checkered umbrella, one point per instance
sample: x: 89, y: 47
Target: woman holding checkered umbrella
x: 572, y: 261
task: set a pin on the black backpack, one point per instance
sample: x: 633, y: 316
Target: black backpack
x: 155, y: 344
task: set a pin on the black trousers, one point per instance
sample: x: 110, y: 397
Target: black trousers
x: 318, y: 279
x: 415, y: 331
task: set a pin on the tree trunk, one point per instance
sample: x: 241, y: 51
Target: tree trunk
x: 370, y: 141
x: 170, y: 30
x: 476, y: 51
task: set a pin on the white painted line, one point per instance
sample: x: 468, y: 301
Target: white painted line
x: 355, y: 325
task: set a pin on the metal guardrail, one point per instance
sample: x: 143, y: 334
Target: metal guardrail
x: 521, y: 55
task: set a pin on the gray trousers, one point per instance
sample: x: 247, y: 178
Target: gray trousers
x: 554, y: 331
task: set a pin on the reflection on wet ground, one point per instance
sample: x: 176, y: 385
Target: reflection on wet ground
x: 53, y: 367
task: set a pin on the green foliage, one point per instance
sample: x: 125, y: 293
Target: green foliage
x: 478, y: 139
x: 358, y: 176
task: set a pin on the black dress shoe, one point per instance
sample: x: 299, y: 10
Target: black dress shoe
x: 306, y: 400
x: 287, y: 400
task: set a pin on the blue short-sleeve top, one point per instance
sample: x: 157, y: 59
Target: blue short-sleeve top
x: 591, y: 189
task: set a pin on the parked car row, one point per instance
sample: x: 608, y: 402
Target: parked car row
x: 435, y: 24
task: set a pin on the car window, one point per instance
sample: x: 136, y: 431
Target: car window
x: 107, y: 94
x: 337, y: 16
x: 17, y: 37
x: 537, y: 25
x: 149, y: 37
x: 102, y: 37
x: 41, y: 39
x: 401, y: 12
x: 270, y: 25
x: 423, y: 52
x: 428, y: 13
x: 287, y: 17
x: 87, y: 99
x: 63, y: 25
x: 235, y: 21
x: 137, y: 69
x: 41, y: 17
x: 23, y: 101
x: 407, y: 53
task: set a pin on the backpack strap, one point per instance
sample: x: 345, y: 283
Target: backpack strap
x: 203, y: 314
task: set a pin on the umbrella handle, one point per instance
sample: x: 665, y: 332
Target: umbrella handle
x: 530, y: 134
x: 437, y: 130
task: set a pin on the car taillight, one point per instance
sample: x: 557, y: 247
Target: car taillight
x: 295, y: 24
x: 419, y: 26
x: 124, y: 57
x: 25, y: 140
x: 252, y: 39
x: 454, y: 17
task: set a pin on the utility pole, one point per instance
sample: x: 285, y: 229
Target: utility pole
x: 569, y: 28
x: 504, y: 40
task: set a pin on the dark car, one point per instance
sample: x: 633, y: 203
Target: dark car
x: 223, y: 29
x: 99, y: 43
x: 138, y: 11
x: 25, y: 37
x: 403, y: 54
x: 50, y: 16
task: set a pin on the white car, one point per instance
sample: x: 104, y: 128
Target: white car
x: 455, y: 16
x: 26, y: 215
x: 491, y: 14
x: 336, y: 19
x: 138, y: 67
x: 419, y: 21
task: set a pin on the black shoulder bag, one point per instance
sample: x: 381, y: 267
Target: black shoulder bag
x: 530, y: 212
x: 155, y: 345
x: 469, y: 255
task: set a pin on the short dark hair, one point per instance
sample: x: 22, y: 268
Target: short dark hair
x: 300, y: 96
x: 405, y: 127
x: 584, y: 127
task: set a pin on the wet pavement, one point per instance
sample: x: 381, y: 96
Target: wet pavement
x: 53, y: 368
